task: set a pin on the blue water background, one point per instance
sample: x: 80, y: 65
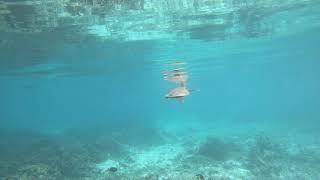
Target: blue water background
x: 273, y: 80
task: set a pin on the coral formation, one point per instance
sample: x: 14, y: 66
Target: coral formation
x: 39, y: 172
x: 68, y: 156
x: 265, y: 158
x: 216, y: 149
x: 60, y: 156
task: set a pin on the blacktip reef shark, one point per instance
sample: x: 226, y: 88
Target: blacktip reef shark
x: 180, y: 77
x: 178, y: 93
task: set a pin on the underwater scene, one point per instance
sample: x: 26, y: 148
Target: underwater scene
x: 159, y: 90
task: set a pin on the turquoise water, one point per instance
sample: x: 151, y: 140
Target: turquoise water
x: 83, y: 90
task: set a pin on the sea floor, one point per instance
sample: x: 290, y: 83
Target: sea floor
x: 159, y: 154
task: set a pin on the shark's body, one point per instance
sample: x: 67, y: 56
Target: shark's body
x: 178, y: 93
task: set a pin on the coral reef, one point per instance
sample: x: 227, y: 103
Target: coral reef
x: 39, y: 172
x: 216, y: 149
x: 96, y: 155
x: 265, y: 157
x: 36, y: 156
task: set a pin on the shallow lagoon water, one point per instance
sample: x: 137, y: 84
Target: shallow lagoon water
x: 82, y: 91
